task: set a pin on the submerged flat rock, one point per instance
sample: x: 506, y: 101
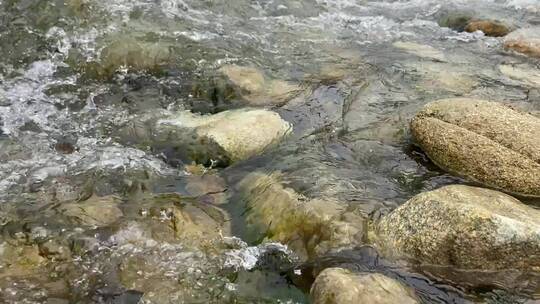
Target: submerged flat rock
x: 523, y: 73
x: 466, y: 227
x: 248, y: 84
x: 485, y: 142
x: 341, y: 286
x: 239, y: 134
x: 96, y: 211
x: 525, y: 41
x: 493, y: 28
x: 310, y: 227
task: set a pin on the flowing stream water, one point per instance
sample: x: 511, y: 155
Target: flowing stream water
x: 362, y: 69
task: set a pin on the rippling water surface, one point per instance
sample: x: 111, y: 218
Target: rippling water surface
x: 75, y: 72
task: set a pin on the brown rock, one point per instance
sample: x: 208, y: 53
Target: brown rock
x: 491, y: 28
x: 96, y: 211
x: 257, y: 89
x: 341, y: 286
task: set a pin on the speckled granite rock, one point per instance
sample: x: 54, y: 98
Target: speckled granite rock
x: 483, y: 141
x: 465, y: 227
x: 525, y: 41
x: 424, y: 51
x: 341, y: 286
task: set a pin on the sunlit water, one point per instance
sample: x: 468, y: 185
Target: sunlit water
x: 59, y: 118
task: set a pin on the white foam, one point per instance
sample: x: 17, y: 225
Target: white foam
x: 246, y: 258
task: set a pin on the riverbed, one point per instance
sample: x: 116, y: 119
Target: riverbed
x: 99, y: 205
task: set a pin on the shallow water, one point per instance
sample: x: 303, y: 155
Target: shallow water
x: 65, y: 94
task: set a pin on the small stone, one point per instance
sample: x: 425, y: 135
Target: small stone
x: 485, y: 142
x: 525, y: 41
x: 211, y: 188
x: 248, y: 79
x: 54, y: 250
x: 56, y: 301
x: 491, y: 28
x: 465, y: 227
x: 20, y: 260
x: 341, y: 286
x: 168, y: 218
x: 64, y: 147
x: 442, y: 76
x: 255, y: 88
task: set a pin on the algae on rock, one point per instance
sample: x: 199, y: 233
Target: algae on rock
x: 96, y: 211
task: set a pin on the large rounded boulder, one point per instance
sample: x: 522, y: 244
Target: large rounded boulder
x: 465, y: 227
x: 482, y: 141
x: 341, y: 286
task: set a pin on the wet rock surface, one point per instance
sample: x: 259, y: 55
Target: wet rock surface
x: 130, y: 53
x: 467, y: 22
x: 525, y: 41
x: 492, y: 28
x: 336, y: 285
x: 94, y: 212
x: 240, y: 134
x: 482, y: 141
x: 466, y: 227
x: 424, y: 51
x: 253, y: 86
x: 311, y: 227
x: 229, y: 151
